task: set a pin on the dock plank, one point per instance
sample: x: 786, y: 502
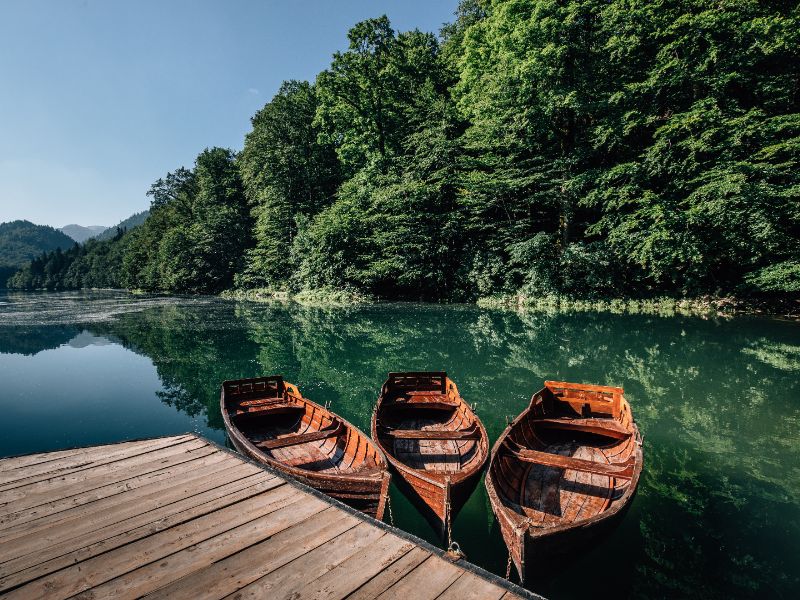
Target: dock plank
x: 63, y: 484
x: 61, y: 505
x: 358, y: 569
x: 235, y: 572
x: 119, y: 534
x: 17, y: 464
x: 287, y: 580
x: 425, y: 582
x: 15, y: 480
x: 472, y: 587
x: 180, y: 517
x: 90, y: 573
x: 67, y: 529
x: 82, y: 505
x: 276, y: 515
x: 391, y: 575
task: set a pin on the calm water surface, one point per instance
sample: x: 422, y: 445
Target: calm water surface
x: 718, y: 509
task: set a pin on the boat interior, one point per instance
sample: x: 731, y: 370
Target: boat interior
x: 278, y: 421
x: 424, y: 424
x: 569, y: 457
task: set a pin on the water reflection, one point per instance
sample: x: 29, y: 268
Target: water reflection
x: 717, y: 512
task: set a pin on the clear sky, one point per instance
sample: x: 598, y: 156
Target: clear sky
x: 99, y: 98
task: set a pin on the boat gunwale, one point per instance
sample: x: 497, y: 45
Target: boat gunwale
x: 257, y: 454
x: 444, y: 479
x: 499, y: 502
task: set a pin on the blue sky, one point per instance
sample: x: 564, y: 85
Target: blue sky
x: 98, y: 98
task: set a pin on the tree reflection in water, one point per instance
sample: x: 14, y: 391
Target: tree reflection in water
x: 717, y: 512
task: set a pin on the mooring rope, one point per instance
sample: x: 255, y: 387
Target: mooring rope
x: 389, y: 508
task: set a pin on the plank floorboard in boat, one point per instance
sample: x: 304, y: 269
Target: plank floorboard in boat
x: 179, y: 517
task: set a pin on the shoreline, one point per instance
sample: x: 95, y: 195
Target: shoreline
x: 704, y: 307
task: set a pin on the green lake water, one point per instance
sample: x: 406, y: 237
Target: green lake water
x: 717, y: 514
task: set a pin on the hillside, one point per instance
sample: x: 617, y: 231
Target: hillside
x: 80, y: 234
x: 21, y: 241
x: 126, y: 225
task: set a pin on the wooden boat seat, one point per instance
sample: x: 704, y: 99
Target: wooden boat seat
x: 607, y: 427
x: 426, y: 401
x: 332, y: 430
x: 432, y: 434
x: 275, y: 405
x: 618, y: 470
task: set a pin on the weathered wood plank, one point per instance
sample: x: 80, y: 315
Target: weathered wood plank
x: 98, y: 570
x: 119, y: 534
x: 285, y: 581
x: 46, y: 473
x: 472, y: 587
x: 67, y: 507
x: 357, y: 570
x: 235, y: 572
x: 392, y: 574
x: 96, y: 476
x: 36, y: 542
x: 426, y: 582
x: 17, y: 463
x: 278, y: 513
x: 186, y: 520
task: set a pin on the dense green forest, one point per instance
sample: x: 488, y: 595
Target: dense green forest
x: 21, y: 241
x: 582, y: 148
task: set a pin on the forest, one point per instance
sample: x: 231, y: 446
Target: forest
x: 584, y: 148
x: 22, y: 241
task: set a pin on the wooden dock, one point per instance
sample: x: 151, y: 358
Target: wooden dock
x: 180, y: 517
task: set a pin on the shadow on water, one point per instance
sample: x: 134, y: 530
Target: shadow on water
x: 718, y: 509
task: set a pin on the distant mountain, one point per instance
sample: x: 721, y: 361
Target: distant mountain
x: 80, y: 234
x: 129, y: 223
x: 21, y: 241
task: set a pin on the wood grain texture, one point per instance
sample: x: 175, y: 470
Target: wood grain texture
x: 563, y: 470
x: 433, y: 440
x: 182, y: 518
x: 268, y: 420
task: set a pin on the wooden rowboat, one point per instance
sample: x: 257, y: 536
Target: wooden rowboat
x: 433, y: 440
x: 269, y: 420
x: 565, y: 469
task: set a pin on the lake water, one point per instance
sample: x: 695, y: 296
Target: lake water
x: 718, y: 401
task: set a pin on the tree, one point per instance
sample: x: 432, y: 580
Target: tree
x: 286, y: 172
x: 365, y: 98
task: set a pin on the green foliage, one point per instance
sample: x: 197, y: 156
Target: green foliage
x: 286, y: 174
x: 95, y: 264
x: 782, y: 277
x: 367, y: 96
x: 588, y: 149
x: 198, y: 230
x: 21, y: 241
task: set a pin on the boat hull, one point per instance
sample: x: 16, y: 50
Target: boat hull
x: 438, y: 491
x: 326, y: 452
x: 368, y: 495
x: 546, y: 449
